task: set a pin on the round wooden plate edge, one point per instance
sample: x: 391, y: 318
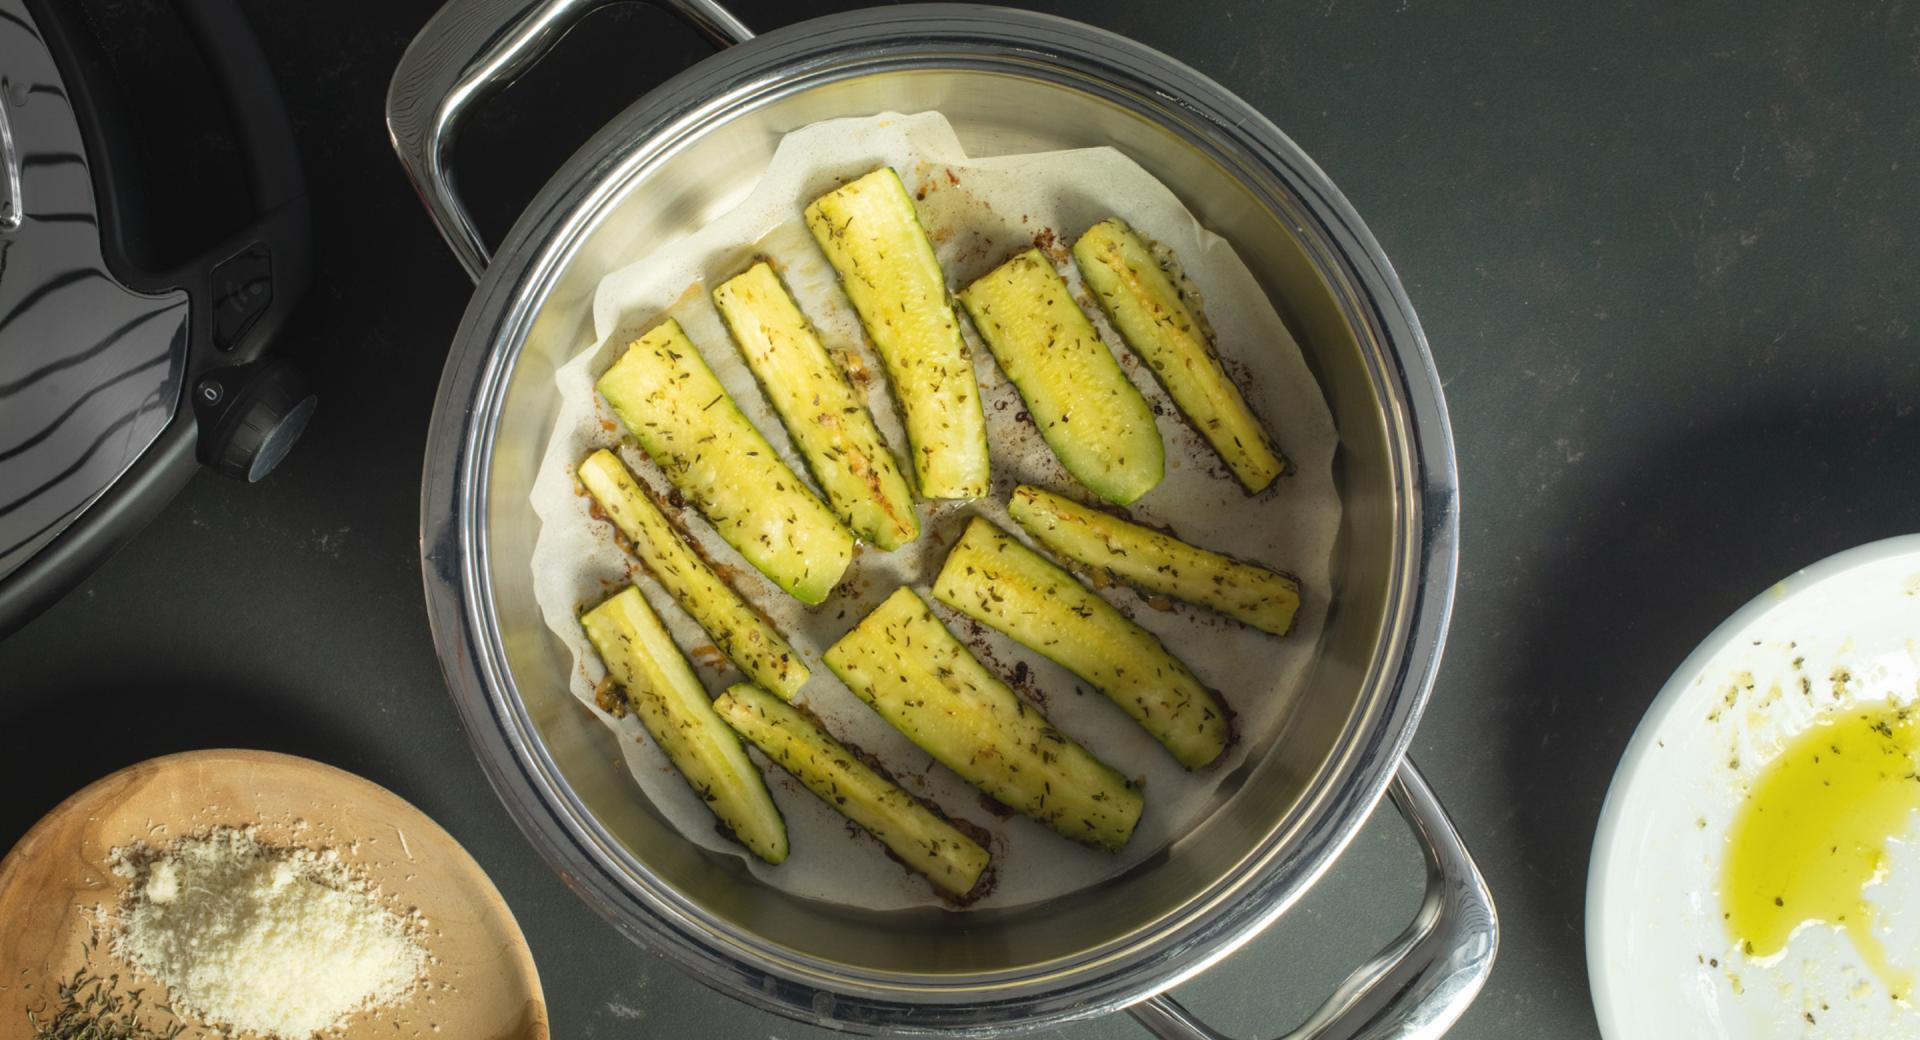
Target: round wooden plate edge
x: 111, y: 788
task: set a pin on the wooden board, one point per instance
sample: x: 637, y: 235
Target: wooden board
x: 481, y: 983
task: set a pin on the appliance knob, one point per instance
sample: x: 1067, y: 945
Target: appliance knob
x: 250, y: 416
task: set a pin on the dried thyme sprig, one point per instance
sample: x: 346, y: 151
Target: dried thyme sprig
x: 89, y: 1007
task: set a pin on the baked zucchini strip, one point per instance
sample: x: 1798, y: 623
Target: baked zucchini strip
x: 1155, y: 562
x: 871, y: 234
x: 905, y: 664
x: 673, y: 706
x: 990, y: 577
x: 1091, y: 415
x: 916, y: 834
x: 830, y: 426
x: 1148, y: 309
x: 749, y: 641
x: 670, y: 400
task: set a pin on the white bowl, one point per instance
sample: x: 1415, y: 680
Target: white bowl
x: 1659, y: 958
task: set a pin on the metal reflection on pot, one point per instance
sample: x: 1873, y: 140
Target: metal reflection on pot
x: 1009, y: 81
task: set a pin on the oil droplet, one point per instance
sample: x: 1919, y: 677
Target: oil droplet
x: 1812, y: 836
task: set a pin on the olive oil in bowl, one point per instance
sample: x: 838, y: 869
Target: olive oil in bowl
x: 1812, y: 835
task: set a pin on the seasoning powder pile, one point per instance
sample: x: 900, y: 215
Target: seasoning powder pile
x: 254, y: 938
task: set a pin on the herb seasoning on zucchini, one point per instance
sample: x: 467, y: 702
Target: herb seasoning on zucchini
x: 1156, y: 562
x: 905, y: 664
x: 1091, y: 415
x: 832, y: 429
x: 992, y: 578
x: 661, y: 689
x: 871, y: 234
x: 670, y: 400
x: 1148, y: 309
x: 749, y: 641
x: 920, y: 837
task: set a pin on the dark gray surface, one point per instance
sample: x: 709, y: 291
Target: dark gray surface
x: 1666, y: 257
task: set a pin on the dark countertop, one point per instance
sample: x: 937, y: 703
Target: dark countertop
x: 1667, y: 258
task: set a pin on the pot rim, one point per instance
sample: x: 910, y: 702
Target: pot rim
x: 1273, y: 874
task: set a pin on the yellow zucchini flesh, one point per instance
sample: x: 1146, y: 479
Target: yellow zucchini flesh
x: 1157, y: 562
x: 670, y: 400
x: 830, y: 426
x: 661, y: 688
x: 870, y: 232
x: 1151, y: 314
x: 736, y: 628
x: 1090, y: 414
x: 990, y: 577
x: 905, y: 664
x: 921, y: 838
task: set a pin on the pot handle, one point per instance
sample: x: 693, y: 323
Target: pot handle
x: 1422, y: 982
x: 468, y: 51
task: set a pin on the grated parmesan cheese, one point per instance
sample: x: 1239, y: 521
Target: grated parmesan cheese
x: 253, y: 938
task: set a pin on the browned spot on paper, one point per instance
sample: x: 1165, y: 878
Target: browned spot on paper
x: 606, y: 694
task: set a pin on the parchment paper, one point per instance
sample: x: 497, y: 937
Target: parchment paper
x: 978, y: 212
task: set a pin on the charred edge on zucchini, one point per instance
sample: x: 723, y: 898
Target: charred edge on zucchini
x: 913, y: 833
x: 748, y: 639
x: 1157, y: 562
x: 1152, y: 315
x: 670, y: 400
x: 830, y: 427
x: 990, y: 577
x: 1089, y: 412
x: 905, y: 664
x: 661, y: 689
x: 871, y: 234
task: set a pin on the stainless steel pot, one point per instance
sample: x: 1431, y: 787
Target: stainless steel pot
x: 1009, y: 81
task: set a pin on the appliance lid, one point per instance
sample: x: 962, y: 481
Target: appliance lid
x: 90, y: 370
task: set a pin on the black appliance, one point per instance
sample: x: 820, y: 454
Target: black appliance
x: 124, y: 366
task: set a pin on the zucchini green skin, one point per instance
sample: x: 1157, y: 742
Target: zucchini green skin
x: 670, y: 400
x: 671, y: 703
x: 1147, y: 308
x: 869, y: 231
x: 1091, y: 415
x: 749, y: 641
x: 1156, y: 562
x: 915, y: 833
x: 905, y: 664
x: 830, y: 426
x: 990, y: 577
